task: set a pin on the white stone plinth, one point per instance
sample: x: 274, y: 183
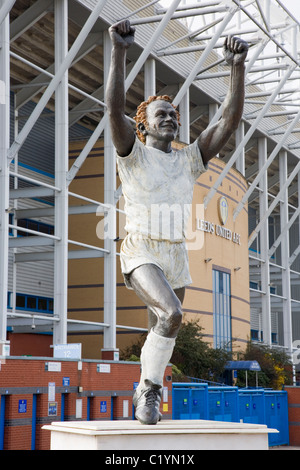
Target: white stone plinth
x: 168, y: 434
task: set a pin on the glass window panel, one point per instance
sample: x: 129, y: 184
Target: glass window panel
x: 32, y: 225
x: 20, y: 301
x: 221, y: 282
x: 221, y: 309
x: 42, y: 304
x: 22, y: 223
x: 31, y: 302
x: 43, y: 228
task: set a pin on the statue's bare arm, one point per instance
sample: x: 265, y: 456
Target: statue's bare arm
x: 214, y: 137
x: 123, y: 135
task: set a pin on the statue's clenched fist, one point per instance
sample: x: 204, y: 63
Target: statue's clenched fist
x: 122, y: 34
x: 235, y: 50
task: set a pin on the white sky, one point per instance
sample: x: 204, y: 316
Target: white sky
x: 293, y: 6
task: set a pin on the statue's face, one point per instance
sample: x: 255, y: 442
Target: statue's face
x: 162, y: 121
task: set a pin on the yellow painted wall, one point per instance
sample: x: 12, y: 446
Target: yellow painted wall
x: 86, y: 276
x: 222, y: 254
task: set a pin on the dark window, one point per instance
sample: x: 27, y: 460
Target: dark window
x: 31, y: 302
x: 20, y: 301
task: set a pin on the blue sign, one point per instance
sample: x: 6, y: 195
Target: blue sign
x: 103, y: 407
x: 52, y: 408
x: 66, y: 381
x: 22, y: 406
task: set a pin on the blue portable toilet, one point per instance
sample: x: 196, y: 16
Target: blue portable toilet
x: 276, y: 405
x: 252, y: 406
x: 223, y: 404
x: 269, y: 407
x: 189, y: 400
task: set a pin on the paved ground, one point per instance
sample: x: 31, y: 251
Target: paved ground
x: 284, y: 448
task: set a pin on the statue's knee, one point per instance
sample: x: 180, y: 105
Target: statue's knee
x: 174, y: 321
x: 169, y: 320
x: 177, y: 317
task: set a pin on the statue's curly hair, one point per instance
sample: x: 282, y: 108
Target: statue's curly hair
x: 141, y: 115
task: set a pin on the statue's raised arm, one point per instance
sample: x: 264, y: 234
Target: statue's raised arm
x: 213, y: 139
x: 123, y: 135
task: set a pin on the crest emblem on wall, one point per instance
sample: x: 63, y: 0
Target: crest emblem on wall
x: 223, y: 209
